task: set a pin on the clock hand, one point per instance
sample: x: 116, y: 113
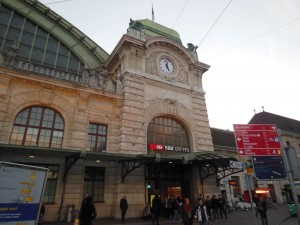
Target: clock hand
x: 167, y: 66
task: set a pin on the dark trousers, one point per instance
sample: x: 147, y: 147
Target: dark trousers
x: 123, y: 215
x: 222, y: 210
x: 155, y: 217
x: 263, y: 216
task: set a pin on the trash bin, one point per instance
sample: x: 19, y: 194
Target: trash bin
x: 70, y: 212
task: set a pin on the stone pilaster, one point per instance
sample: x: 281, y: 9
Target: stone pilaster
x: 132, y: 115
x: 203, y: 139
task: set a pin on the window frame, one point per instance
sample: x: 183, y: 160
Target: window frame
x: 97, y: 135
x: 169, y: 133
x: 34, y: 128
x: 94, y: 178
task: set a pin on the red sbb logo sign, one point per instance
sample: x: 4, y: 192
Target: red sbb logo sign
x: 158, y: 147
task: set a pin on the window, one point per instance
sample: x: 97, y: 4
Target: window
x: 51, y: 184
x: 50, y: 189
x: 97, y: 137
x: 38, y: 126
x: 94, y: 182
x: 236, y: 188
x: 169, y: 134
x: 35, y: 44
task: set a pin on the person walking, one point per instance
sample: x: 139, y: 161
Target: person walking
x: 187, y: 212
x: 215, y: 208
x: 175, y: 209
x: 222, y: 203
x: 123, y: 207
x: 87, y: 211
x: 201, y: 213
x: 156, y: 208
x: 262, y: 210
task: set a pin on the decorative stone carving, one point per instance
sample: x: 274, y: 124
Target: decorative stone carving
x: 151, y: 66
x: 95, y: 78
x: 11, y: 54
x: 183, y: 77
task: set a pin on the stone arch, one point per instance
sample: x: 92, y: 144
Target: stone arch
x: 173, y: 109
x: 175, y: 46
x: 49, y: 99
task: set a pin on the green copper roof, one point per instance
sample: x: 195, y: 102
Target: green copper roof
x: 152, y: 29
x: 82, y: 46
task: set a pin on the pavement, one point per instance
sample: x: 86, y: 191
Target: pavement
x: 279, y: 216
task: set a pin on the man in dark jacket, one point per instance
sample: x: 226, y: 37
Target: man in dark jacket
x: 156, y: 208
x: 123, y: 207
x: 87, y: 211
x: 222, y: 203
x: 215, y: 208
x: 262, y: 210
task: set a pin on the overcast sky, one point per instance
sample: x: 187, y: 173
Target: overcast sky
x: 253, y: 48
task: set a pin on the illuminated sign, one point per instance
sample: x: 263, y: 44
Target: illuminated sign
x: 169, y: 148
x: 233, y: 182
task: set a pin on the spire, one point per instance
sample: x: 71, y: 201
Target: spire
x: 152, y: 13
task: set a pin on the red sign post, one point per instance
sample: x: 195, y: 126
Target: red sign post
x: 257, y: 140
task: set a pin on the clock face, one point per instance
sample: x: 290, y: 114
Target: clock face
x: 166, y: 65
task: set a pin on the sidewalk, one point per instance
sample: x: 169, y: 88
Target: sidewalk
x: 275, y: 217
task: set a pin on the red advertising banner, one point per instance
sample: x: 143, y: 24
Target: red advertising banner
x: 257, y: 139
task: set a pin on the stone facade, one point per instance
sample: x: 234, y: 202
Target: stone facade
x: 137, y: 91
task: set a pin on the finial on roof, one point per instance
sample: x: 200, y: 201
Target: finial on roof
x: 254, y: 111
x: 263, y: 108
x: 152, y: 13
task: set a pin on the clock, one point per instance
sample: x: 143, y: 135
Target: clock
x: 166, y: 66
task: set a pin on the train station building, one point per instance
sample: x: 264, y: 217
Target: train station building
x: 133, y: 122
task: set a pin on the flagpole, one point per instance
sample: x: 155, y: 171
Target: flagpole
x: 152, y: 13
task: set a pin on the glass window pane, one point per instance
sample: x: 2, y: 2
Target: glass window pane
x: 36, y: 133
x: 49, y: 59
x: 62, y: 62
x: 52, y: 45
x: 167, y: 131
x: 24, y: 51
x: 29, y: 27
x: 13, y: 34
x: 27, y: 38
x: 37, y: 55
x: 17, y: 21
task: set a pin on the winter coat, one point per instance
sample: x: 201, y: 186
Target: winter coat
x: 199, y: 214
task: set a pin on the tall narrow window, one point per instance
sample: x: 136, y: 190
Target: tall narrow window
x: 51, y: 184
x: 50, y: 189
x: 94, y: 182
x: 38, y: 126
x: 97, y: 137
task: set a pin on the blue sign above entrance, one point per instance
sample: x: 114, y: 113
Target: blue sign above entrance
x: 269, y: 167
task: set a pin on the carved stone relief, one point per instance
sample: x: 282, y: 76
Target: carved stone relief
x: 151, y: 66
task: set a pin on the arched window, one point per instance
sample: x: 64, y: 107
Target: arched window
x: 35, y: 44
x: 38, y: 126
x: 166, y: 136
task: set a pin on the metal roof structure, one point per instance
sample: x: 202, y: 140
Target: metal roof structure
x: 81, y: 45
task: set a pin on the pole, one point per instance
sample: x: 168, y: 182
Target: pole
x: 250, y: 195
x: 291, y: 178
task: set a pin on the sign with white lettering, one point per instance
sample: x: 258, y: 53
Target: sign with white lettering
x: 269, y: 167
x: 257, y: 139
x: 237, y: 165
x: 169, y: 148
